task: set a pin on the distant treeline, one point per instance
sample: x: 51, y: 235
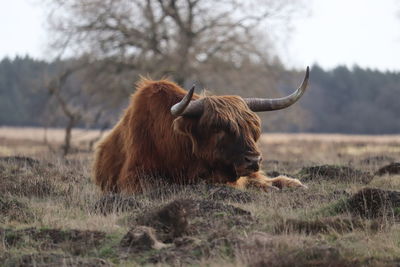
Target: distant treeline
x: 353, y: 100
x: 22, y: 96
x: 341, y: 100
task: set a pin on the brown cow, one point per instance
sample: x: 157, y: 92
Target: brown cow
x: 182, y: 137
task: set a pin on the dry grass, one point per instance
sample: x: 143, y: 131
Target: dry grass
x: 222, y: 226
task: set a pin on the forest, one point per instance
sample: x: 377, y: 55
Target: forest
x: 341, y: 100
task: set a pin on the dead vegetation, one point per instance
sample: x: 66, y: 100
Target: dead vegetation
x: 52, y: 214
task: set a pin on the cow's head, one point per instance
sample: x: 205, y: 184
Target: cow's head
x: 224, y: 129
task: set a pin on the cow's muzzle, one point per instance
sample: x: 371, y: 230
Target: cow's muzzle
x: 249, y: 164
x: 252, y: 162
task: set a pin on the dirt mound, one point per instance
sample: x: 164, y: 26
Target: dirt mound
x: 14, y: 210
x: 175, y: 218
x: 52, y: 259
x: 333, y: 173
x: 188, y: 230
x: 76, y: 242
x: 114, y: 203
x: 171, y: 220
x: 393, y: 168
x: 374, y: 202
x: 322, y: 225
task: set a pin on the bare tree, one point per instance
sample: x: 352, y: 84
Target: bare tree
x: 167, y: 37
x: 74, y: 99
x: 54, y: 88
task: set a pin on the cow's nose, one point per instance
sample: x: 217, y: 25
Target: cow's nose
x: 253, y: 162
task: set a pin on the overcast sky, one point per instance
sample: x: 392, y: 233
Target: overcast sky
x: 362, y: 32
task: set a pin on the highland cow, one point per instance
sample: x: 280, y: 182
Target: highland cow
x: 184, y: 138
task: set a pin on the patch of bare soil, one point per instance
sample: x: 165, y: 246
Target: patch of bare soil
x: 14, y: 210
x: 334, y: 173
x: 374, y: 202
x: 52, y: 259
x: 393, y: 168
x: 323, y: 225
x: 76, y: 242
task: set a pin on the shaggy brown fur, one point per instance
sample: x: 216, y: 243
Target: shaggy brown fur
x: 149, y: 142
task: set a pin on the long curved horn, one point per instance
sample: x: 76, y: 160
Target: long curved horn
x: 179, y: 108
x: 186, y: 107
x: 264, y: 104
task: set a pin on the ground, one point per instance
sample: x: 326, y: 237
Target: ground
x: 51, y: 213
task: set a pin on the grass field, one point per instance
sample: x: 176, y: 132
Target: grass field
x: 52, y: 214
